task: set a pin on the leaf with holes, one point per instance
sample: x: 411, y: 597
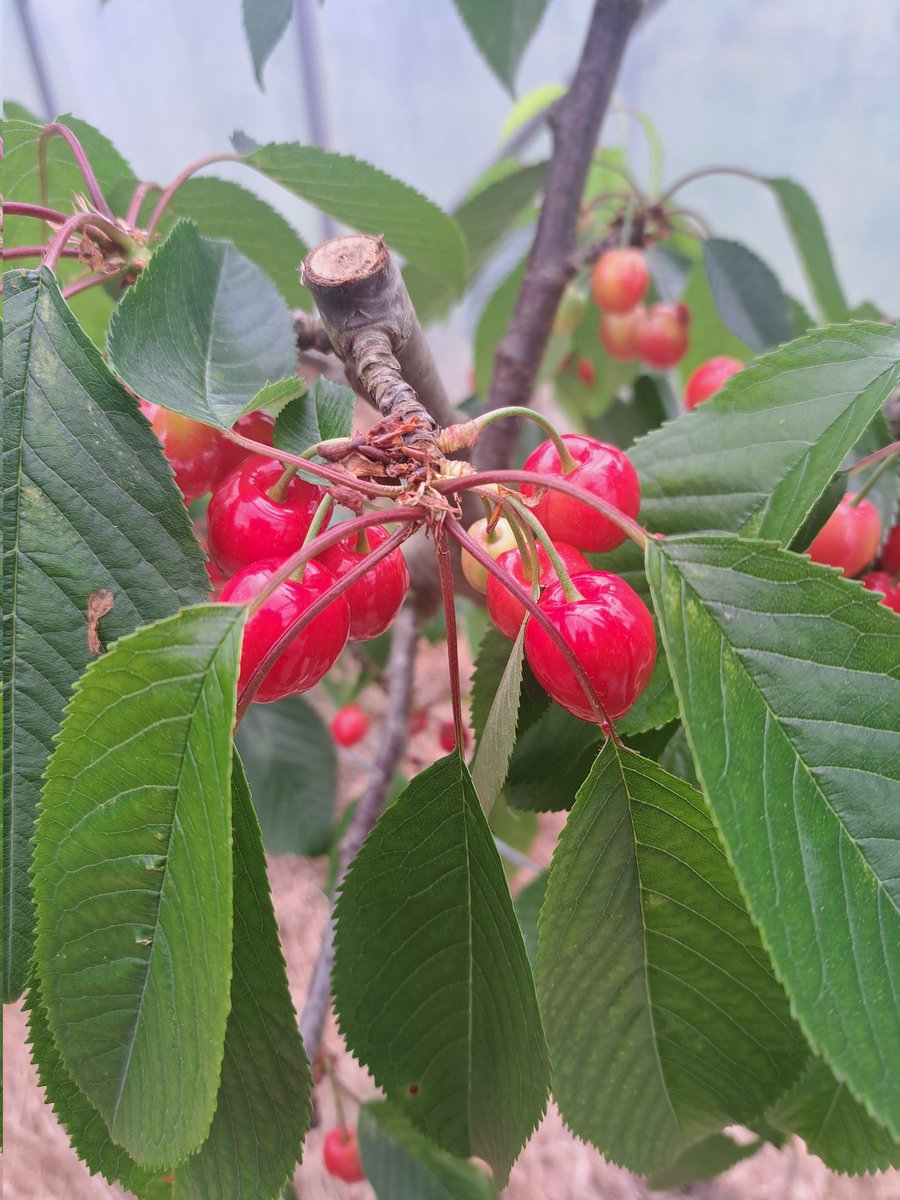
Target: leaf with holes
x: 798, y: 750
x: 84, y: 484
x: 202, y: 330
x: 133, y: 880
x: 264, y: 24
x: 747, y: 294
x: 805, y: 224
x: 663, y: 1017
x: 432, y: 984
x: 502, y: 31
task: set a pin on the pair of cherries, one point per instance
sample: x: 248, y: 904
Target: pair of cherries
x: 849, y: 540
x: 658, y: 334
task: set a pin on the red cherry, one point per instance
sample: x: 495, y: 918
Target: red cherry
x: 349, y: 725
x: 708, y: 378
x: 602, y: 470
x: 881, y: 581
x: 889, y: 558
x: 245, y: 524
x: 611, y: 632
x: 586, y: 371
x: 194, y: 451
x: 313, y: 652
x: 662, y: 336
x: 619, y: 280
x: 618, y: 333
x: 375, y: 599
x: 503, y: 608
x: 447, y: 737
x: 849, y: 538
x: 258, y: 427
x: 340, y: 1153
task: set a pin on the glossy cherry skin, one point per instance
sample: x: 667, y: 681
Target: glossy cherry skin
x: 498, y: 542
x: 605, y: 471
x: 258, y: 427
x: 708, y: 378
x: 313, y: 652
x: 618, y: 333
x: 849, y: 538
x: 611, y: 632
x: 503, y: 608
x: 340, y: 1153
x: 349, y: 725
x: 663, y: 335
x: 881, y: 581
x: 375, y: 599
x: 447, y: 737
x: 619, y: 280
x: 889, y: 558
x: 245, y: 524
x: 195, y: 451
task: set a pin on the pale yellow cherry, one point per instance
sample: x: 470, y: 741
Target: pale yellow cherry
x: 497, y: 542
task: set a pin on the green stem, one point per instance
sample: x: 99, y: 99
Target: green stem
x: 320, y: 520
x: 363, y: 545
x: 279, y: 490
x: 335, y: 1092
x: 525, y: 542
x: 567, y: 462
x: 871, y: 481
x: 571, y: 591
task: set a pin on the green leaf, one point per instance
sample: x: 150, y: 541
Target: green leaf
x: 805, y: 225
x: 550, y: 761
x: 85, y: 486
x: 202, y: 330
x: 273, y: 397
x: 501, y: 31
x: 709, y: 335
x: 748, y: 296
x: 823, y: 1112
x: 132, y: 870
x: 498, y: 737
x: 528, y: 905
x: 628, y: 419
x: 401, y: 1164
x: 492, y: 325
x: 494, y: 652
x: 885, y: 493
x: 263, y: 1105
x: 706, y: 1158
x: 325, y: 412
x: 431, y: 980
x: 361, y: 196
x: 663, y: 1017
x: 531, y: 105
x: 798, y: 751
x: 676, y: 758
x: 264, y: 24
x: 292, y: 768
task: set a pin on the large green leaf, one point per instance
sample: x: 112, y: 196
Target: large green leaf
x: 292, y: 768
x: 367, y: 199
x: 402, y: 1164
x: 264, y: 24
x: 788, y: 679
x: 202, y: 330
x: 133, y: 880
x: 663, y: 1017
x: 501, y: 31
x: 747, y: 294
x: 551, y: 760
x: 432, y: 984
x: 805, y: 224
x: 89, y: 504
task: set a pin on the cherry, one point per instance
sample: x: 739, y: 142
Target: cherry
x: 889, y: 558
x: 611, y: 632
x: 662, y: 336
x: 258, y: 427
x: 586, y: 371
x: 313, y: 652
x: 375, y: 599
x: 849, y: 538
x: 618, y: 333
x: 619, y: 280
x: 340, y: 1153
x: 245, y: 524
x: 447, y: 737
x: 195, y: 451
x: 349, y: 725
x: 503, y: 608
x: 881, y: 581
x: 602, y: 470
x: 497, y: 542
x: 708, y: 378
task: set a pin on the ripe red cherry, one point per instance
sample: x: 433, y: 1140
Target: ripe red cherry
x: 662, y: 336
x: 503, y: 608
x: 619, y: 280
x: 194, y: 451
x: 340, y: 1153
x: 708, y: 378
x: 245, y: 524
x: 447, y: 737
x: 313, y: 652
x: 602, y: 470
x: 349, y: 725
x: 849, y: 538
x: 375, y: 599
x: 881, y: 581
x: 611, y: 632
x: 618, y: 333
x: 889, y: 558
x: 258, y: 427
x: 586, y: 372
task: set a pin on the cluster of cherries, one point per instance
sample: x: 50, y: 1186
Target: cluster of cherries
x: 657, y: 334
x: 849, y: 540
x: 351, y: 723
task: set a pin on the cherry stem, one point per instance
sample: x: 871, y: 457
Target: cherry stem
x: 445, y: 570
x: 567, y: 462
x: 516, y: 590
x: 333, y: 474
x: 884, y: 465
x: 89, y: 281
x: 14, y: 208
x: 704, y: 172
x: 279, y: 489
x: 72, y: 225
x: 87, y: 171
x: 335, y: 1092
x: 629, y: 527
x: 34, y: 252
x: 571, y: 591
x: 876, y: 456
x: 525, y: 542
x: 135, y: 204
x: 320, y: 519
x: 363, y: 545
x: 166, y: 198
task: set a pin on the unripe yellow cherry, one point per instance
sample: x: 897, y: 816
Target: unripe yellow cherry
x: 497, y: 542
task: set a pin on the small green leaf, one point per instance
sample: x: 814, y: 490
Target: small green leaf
x: 501, y: 31
x: 133, y: 880
x: 402, y: 1164
x: 805, y: 225
x: 432, y: 984
x: 709, y: 1157
x: 264, y: 24
x: 492, y: 325
x: 748, y: 296
x: 531, y: 105
x: 494, y: 651
x: 551, y: 760
x: 274, y: 396
x: 202, y: 330
x: 495, y: 746
x: 326, y: 411
x: 797, y: 746
x: 292, y: 768
x: 663, y: 1017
